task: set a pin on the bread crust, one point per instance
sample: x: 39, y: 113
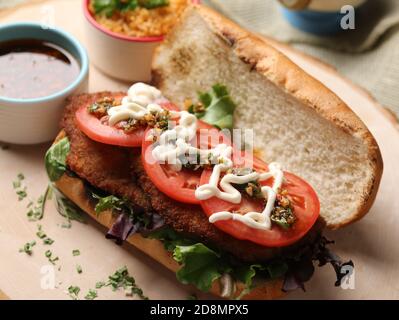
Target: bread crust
x: 286, y: 75
x: 73, y: 188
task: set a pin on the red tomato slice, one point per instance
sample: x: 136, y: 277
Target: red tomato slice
x: 100, y: 132
x: 304, y: 200
x: 180, y: 185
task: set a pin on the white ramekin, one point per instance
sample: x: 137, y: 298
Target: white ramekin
x: 32, y: 121
x: 119, y: 56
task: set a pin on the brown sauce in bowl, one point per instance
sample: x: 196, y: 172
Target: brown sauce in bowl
x: 34, y: 69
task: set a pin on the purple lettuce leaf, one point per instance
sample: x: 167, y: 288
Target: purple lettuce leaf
x: 301, y: 269
x: 124, y: 226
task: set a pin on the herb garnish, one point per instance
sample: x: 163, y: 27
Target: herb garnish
x: 109, y: 7
x: 100, y: 284
x: 283, y: 212
x: 21, y: 193
x: 100, y: 108
x: 27, y: 248
x: 79, y: 268
x: 91, y: 295
x: 252, y: 189
x: 76, y: 252
x: 36, y: 210
x: 49, y: 255
x: 196, y: 161
x: 214, y: 107
x: 48, y: 241
x: 122, y: 279
x: 20, y: 190
x: 40, y: 233
x: 17, y: 183
x: 73, y: 292
x: 159, y: 120
x: 152, y: 4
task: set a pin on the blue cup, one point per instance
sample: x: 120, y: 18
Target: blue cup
x: 319, y: 17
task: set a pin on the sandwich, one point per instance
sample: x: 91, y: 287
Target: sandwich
x: 159, y: 167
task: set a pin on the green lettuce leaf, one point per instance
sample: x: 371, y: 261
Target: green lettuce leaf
x: 219, y: 107
x: 123, y: 206
x: 187, y: 252
x: 67, y: 208
x: 247, y: 273
x: 55, y: 159
x: 129, y: 220
x: 107, y: 203
x: 200, y: 265
x: 170, y: 238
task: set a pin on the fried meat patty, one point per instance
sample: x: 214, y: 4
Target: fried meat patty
x: 104, y: 166
x: 119, y: 171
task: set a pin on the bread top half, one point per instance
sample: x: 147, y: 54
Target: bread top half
x: 297, y: 121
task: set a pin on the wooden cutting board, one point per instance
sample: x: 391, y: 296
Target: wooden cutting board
x: 373, y: 243
x: 3, y: 296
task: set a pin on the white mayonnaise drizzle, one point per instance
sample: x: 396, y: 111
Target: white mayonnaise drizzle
x: 139, y: 102
x: 175, y: 142
x: 257, y: 220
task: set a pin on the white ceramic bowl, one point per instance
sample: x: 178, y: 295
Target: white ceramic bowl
x: 31, y: 121
x: 119, y: 56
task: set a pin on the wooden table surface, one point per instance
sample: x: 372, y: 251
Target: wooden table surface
x: 372, y: 243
